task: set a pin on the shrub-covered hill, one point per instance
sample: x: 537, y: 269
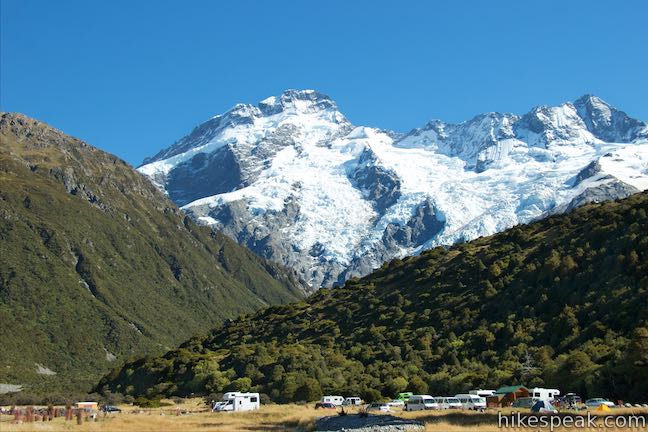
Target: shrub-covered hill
x: 562, y: 302
x: 98, y: 266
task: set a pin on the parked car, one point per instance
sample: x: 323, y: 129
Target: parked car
x: 396, y: 403
x: 325, y: 405
x: 596, y: 402
x: 111, y: 409
x: 218, y: 405
x: 379, y: 406
x: 570, y: 400
x: 471, y: 401
x: 448, y: 402
x: 421, y: 402
x: 524, y: 402
x: 404, y: 396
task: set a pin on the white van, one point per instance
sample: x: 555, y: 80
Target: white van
x: 421, y: 402
x: 544, y: 394
x: 448, y: 402
x: 352, y: 401
x: 472, y: 402
x: 482, y: 393
x: 335, y: 400
x: 237, y: 401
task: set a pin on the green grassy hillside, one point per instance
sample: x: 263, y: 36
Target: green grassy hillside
x: 562, y: 302
x: 97, y: 266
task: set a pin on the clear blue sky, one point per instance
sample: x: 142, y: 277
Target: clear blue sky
x: 131, y: 77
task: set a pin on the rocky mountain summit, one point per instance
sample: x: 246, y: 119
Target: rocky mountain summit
x: 295, y: 181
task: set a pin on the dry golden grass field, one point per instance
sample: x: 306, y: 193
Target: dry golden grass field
x: 268, y: 418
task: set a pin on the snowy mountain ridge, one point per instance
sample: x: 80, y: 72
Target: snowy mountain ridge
x: 295, y: 181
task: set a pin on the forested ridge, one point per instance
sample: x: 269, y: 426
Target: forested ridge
x: 562, y: 302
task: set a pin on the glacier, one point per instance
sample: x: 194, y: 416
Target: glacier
x: 294, y: 180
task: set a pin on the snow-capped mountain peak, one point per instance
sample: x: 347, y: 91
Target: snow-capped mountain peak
x: 289, y: 103
x: 544, y: 126
x: 294, y: 180
x: 607, y: 122
x: 590, y: 106
x: 297, y: 101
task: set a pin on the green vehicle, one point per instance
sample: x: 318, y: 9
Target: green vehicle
x: 404, y: 396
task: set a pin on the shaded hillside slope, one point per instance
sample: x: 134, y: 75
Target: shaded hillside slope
x: 97, y: 265
x: 562, y: 302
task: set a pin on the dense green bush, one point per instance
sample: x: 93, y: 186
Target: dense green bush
x: 562, y: 302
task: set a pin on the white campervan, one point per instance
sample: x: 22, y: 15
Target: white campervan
x: 448, y: 402
x: 421, y: 402
x: 544, y: 394
x: 352, y: 401
x: 472, y: 401
x: 237, y: 401
x: 335, y: 400
x: 482, y: 393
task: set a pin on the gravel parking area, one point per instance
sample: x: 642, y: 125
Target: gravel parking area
x: 371, y: 423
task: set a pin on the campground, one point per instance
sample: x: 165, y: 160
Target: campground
x: 192, y: 415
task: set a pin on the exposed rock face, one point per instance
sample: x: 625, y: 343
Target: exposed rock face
x: 591, y: 171
x: 379, y: 185
x: 205, y: 174
x: 596, y: 185
x: 424, y: 224
x: 295, y: 181
x: 608, y: 123
x: 607, y: 191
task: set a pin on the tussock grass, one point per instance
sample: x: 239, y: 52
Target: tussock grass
x: 195, y: 418
x: 269, y: 418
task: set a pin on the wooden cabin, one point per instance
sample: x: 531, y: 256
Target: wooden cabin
x: 505, y: 396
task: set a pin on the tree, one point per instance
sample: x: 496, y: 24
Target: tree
x: 288, y: 387
x: 370, y: 395
x: 577, y: 369
x: 397, y: 385
x: 552, y: 263
x: 495, y: 270
x: 636, y: 363
x: 568, y: 265
x: 417, y: 385
x: 528, y: 367
x: 309, y: 391
x: 566, y: 327
x: 489, y: 290
x: 632, y: 260
x: 242, y: 384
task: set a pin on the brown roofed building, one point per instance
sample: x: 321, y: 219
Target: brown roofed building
x: 505, y: 396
